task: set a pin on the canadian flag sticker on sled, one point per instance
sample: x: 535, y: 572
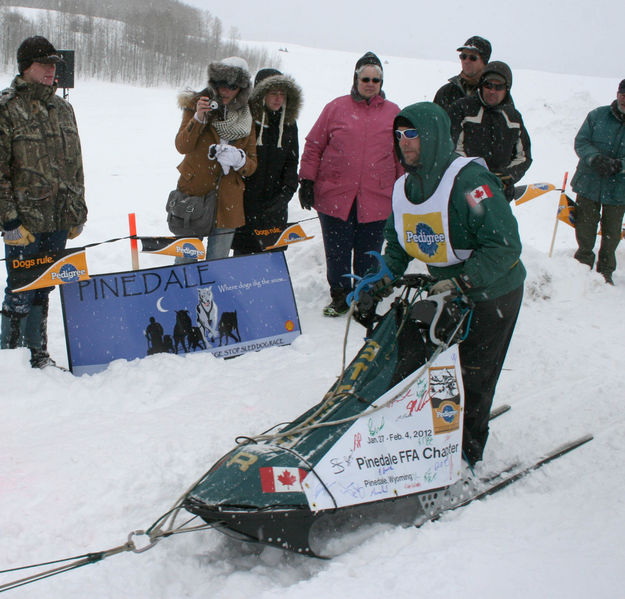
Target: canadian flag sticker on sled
x: 281, y: 480
x: 478, y: 194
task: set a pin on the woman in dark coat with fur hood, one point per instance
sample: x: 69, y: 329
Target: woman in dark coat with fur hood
x: 275, y: 104
x: 226, y: 133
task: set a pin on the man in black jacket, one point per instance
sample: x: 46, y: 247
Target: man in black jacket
x: 489, y: 126
x: 474, y: 56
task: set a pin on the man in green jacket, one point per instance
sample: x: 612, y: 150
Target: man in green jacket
x: 42, y: 196
x: 599, y: 182
x: 451, y: 213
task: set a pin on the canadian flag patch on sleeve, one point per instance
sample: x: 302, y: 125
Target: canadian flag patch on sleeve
x: 478, y: 194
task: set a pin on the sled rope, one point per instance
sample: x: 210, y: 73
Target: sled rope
x: 155, y: 533
x: 303, y: 428
x: 76, y: 562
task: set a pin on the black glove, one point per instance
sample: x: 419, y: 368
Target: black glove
x: 306, y: 194
x: 382, y: 288
x: 364, y: 312
x: 605, y: 166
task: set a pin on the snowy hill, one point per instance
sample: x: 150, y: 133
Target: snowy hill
x: 85, y: 460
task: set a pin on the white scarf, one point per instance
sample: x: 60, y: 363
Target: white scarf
x: 235, y: 124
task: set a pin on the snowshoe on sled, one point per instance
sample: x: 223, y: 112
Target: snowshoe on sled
x: 385, y: 435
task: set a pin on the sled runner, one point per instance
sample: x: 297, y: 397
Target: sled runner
x: 388, y: 431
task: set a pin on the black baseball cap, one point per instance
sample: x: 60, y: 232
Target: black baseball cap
x: 480, y: 45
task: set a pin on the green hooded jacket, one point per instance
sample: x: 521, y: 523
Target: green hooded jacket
x: 603, y: 132
x: 488, y: 228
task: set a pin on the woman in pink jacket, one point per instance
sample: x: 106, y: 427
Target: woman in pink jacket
x: 347, y: 172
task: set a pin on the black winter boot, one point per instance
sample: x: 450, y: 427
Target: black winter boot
x: 608, y: 278
x: 12, y: 330
x: 36, y: 335
x: 338, y: 305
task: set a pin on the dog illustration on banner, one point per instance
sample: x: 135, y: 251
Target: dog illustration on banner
x: 207, y: 314
x: 211, y: 324
x: 211, y: 327
x: 229, y: 327
x: 185, y: 334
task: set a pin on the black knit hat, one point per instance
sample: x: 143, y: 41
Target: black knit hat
x: 480, y: 45
x: 621, y: 87
x: 264, y: 73
x: 36, y: 49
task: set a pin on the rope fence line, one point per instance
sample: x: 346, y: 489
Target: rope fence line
x: 142, y: 237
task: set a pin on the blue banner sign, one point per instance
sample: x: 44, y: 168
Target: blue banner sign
x: 227, y: 307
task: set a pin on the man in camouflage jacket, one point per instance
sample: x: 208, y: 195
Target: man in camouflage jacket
x: 42, y: 201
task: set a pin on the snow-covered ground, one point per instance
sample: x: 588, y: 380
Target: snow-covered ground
x: 85, y: 460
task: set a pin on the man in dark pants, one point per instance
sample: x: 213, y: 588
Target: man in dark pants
x: 599, y: 182
x: 450, y: 212
x: 42, y: 196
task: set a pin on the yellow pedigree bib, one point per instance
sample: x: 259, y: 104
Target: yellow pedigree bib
x: 423, y: 229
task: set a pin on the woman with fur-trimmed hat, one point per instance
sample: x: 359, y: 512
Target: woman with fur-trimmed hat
x: 219, y: 146
x: 275, y: 103
x: 347, y: 174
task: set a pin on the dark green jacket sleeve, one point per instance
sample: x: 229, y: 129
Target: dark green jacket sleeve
x: 491, y: 231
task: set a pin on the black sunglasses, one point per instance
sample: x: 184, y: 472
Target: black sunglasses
x: 367, y: 79
x: 471, y: 57
x: 226, y: 84
x: 492, y: 85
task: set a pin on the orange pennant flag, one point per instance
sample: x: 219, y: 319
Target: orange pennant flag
x: 292, y: 234
x: 566, y: 210
x: 44, y: 270
x: 529, y: 192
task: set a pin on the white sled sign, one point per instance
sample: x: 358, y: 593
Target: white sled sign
x: 412, y: 445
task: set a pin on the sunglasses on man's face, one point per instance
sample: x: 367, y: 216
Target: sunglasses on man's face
x: 408, y: 134
x: 492, y: 85
x: 471, y: 57
x: 226, y: 85
x: 367, y: 79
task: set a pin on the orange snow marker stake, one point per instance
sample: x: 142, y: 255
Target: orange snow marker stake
x: 555, y: 227
x: 134, y: 250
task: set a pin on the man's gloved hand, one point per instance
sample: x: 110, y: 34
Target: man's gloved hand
x: 306, y: 194
x: 75, y: 232
x: 18, y: 236
x: 605, y: 166
x: 617, y: 166
x: 506, y: 180
x: 444, y: 285
x: 228, y: 156
x: 382, y: 288
x: 364, y: 312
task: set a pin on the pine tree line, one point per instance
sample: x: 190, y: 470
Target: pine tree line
x: 145, y: 42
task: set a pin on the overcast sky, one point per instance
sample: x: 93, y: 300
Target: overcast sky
x: 549, y: 35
